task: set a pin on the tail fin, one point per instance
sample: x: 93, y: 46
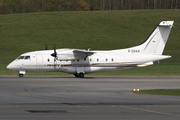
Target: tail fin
x: 156, y: 42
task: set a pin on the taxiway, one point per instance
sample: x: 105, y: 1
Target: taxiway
x: 97, y: 98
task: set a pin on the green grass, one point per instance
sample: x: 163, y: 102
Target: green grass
x: 98, y: 30
x: 173, y: 92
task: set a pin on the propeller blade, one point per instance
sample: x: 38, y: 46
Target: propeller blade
x: 46, y: 46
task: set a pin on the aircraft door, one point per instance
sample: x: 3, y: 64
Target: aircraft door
x: 39, y: 61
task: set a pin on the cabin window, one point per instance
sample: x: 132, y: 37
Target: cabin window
x: 48, y: 59
x: 112, y: 59
x: 97, y: 59
x: 90, y: 59
x: 106, y: 59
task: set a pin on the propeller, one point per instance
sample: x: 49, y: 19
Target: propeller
x: 55, y: 53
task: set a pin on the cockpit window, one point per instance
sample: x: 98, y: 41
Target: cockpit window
x: 20, y: 57
x: 23, y: 57
x: 27, y: 57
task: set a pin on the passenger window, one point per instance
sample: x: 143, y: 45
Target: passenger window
x: 97, y: 59
x: 27, y: 57
x: 112, y: 59
x: 106, y: 59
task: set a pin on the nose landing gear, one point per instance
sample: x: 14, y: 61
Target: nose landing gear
x: 21, y: 73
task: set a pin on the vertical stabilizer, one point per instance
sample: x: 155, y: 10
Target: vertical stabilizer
x: 156, y: 42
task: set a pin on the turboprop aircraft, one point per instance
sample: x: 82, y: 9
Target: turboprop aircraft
x: 80, y: 62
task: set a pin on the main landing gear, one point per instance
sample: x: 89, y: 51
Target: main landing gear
x: 80, y: 75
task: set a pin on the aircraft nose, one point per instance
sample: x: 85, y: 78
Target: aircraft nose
x: 10, y: 66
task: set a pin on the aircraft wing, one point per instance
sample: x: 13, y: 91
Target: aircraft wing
x: 82, y: 53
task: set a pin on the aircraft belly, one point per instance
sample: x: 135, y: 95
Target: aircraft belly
x: 70, y: 70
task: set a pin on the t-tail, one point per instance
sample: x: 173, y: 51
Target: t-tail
x: 156, y: 41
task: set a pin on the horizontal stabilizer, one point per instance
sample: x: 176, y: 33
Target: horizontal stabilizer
x: 166, y: 23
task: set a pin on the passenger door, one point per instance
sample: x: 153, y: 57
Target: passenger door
x: 39, y: 61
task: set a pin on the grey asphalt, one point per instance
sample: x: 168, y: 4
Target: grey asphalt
x: 92, y: 97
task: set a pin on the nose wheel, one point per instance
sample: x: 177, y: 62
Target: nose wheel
x: 20, y: 75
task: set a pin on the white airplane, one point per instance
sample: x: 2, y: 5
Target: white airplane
x: 80, y: 62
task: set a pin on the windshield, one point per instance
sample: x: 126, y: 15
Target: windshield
x: 27, y: 57
x: 23, y: 57
x: 20, y: 57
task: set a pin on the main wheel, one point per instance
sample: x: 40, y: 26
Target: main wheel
x: 20, y: 75
x: 81, y: 75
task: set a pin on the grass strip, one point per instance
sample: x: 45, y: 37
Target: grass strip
x: 172, y: 92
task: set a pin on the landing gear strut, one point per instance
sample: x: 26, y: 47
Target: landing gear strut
x: 80, y: 75
x: 76, y: 75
